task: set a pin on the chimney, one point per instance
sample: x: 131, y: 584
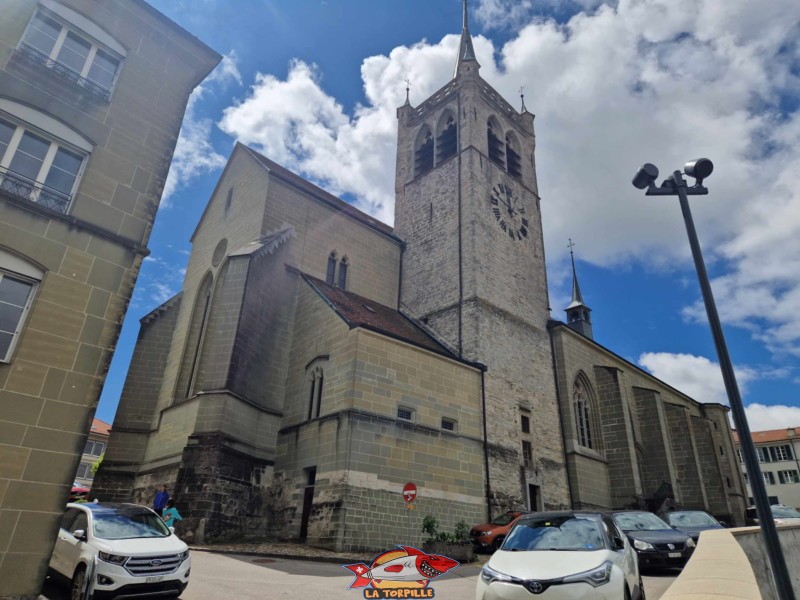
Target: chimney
x: 791, y: 432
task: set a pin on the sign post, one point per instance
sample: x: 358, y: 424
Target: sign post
x: 409, y: 495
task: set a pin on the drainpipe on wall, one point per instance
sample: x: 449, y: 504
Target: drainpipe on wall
x: 486, y: 448
x: 560, y: 416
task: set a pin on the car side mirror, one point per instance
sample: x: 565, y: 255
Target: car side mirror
x: 619, y: 543
x: 172, y: 530
x: 79, y: 534
x: 724, y: 524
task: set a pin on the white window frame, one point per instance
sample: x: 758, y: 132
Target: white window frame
x: 87, y: 473
x: 781, y: 453
x: 20, y: 269
x: 769, y: 477
x: 788, y: 476
x: 41, y: 125
x: 80, y: 26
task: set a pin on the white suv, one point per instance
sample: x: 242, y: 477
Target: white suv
x: 107, y: 550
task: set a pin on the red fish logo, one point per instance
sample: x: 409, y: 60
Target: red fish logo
x: 405, y: 567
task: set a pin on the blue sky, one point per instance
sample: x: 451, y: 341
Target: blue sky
x: 314, y: 84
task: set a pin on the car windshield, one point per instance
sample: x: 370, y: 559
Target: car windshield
x: 128, y: 523
x: 503, y: 519
x: 572, y: 532
x: 784, y: 512
x: 639, y: 522
x: 693, y: 518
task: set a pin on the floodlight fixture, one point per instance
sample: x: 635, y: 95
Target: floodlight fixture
x: 645, y: 176
x: 699, y: 168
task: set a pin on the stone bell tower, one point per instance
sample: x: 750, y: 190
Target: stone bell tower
x: 467, y: 205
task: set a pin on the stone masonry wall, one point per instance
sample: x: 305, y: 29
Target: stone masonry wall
x: 708, y: 454
x: 623, y: 469
x: 657, y: 466
x: 684, y: 453
x: 90, y: 257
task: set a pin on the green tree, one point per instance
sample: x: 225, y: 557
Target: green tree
x: 96, y: 464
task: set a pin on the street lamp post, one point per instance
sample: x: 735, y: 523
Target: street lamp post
x: 675, y: 185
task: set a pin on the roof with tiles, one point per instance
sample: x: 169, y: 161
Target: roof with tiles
x: 359, y: 311
x: 771, y: 435
x: 100, y: 427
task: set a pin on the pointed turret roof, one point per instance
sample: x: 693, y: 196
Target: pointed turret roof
x: 577, y: 298
x: 466, y: 51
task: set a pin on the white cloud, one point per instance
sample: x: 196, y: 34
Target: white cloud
x: 761, y: 417
x: 642, y: 80
x: 701, y: 379
x: 695, y: 376
x: 194, y: 153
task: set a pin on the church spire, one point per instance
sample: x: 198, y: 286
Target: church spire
x: 466, y: 52
x: 578, y: 314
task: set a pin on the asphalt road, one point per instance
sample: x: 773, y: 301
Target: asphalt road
x: 246, y: 577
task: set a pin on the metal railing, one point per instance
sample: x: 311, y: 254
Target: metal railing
x: 34, y: 56
x: 27, y: 189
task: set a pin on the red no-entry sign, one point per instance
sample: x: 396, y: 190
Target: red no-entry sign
x: 409, y: 492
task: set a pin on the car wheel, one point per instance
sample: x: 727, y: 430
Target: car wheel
x: 641, y: 588
x: 77, y: 589
x: 498, y: 542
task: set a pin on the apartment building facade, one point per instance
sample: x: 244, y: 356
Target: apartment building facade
x: 778, y: 453
x: 92, y: 96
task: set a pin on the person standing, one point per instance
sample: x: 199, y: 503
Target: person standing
x: 171, y: 514
x: 160, y: 502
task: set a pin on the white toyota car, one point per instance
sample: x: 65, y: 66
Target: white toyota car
x: 562, y: 556
x: 107, y: 550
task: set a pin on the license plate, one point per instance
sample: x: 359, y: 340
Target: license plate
x: 674, y: 555
x: 157, y: 579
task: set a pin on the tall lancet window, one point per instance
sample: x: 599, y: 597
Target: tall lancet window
x: 316, y: 381
x: 497, y: 152
x: 343, y: 272
x: 583, y: 414
x: 331, y: 273
x: 423, y: 152
x: 446, y: 138
x: 512, y: 156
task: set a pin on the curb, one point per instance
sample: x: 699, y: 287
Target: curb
x: 330, y: 559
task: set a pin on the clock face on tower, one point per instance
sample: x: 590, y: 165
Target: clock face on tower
x: 509, y: 212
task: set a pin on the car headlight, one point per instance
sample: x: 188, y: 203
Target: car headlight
x: 114, y: 559
x: 640, y: 545
x: 184, y: 555
x: 690, y: 543
x: 488, y: 575
x: 596, y: 577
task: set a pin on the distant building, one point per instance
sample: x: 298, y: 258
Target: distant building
x: 779, y: 458
x: 316, y: 359
x: 95, y: 447
x: 92, y: 96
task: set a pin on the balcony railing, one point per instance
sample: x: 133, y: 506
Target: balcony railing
x: 27, y: 189
x: 32, y: 55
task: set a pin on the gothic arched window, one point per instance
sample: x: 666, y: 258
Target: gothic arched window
x: 343, y: 272
x: 316, y: 381
x: 423, y: 152
x: 330, y: 276
x: 446, y: 137
x: 513, y: 158
x: 197, y: 328
x: 497, y: 152
x: 581, y: 403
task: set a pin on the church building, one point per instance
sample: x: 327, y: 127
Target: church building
x: 316, y: 359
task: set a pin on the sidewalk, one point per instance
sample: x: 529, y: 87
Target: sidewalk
x: 298, y: 551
